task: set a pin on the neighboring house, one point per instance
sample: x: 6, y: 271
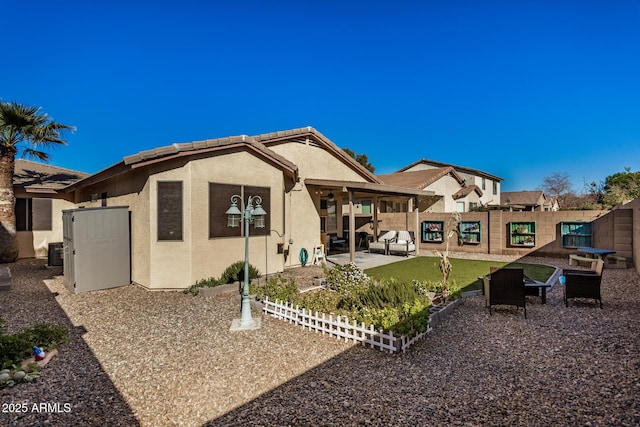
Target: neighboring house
x: 178, y: 196
x: 40, y: 199
x: 552, y: 204
x: 534, y: 200
x: 451, y: 191
x: 485, y: 185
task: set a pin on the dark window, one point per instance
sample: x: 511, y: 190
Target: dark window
x: 23, y: 215
x: 33, y: 214
x: 495, y: 187
x: 103, y: 196
x: 220, y: 200
x: 484, y: 184
x: 170, y: 210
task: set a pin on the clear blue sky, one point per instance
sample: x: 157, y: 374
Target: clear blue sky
x: 518, y: 89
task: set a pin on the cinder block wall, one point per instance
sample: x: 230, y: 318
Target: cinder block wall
x: 617, y: 229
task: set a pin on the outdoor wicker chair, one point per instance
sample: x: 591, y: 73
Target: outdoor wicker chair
x: 506, y: 287
x: 382, y: 245
x: 582, y: 284
x: 404, y: 244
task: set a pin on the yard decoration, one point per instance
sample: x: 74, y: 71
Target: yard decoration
x: 452, y: 227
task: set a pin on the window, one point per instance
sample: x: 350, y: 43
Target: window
x: 170, y: 210
x: 484, y: 184
x: 220, y: 200
x: 33, y: 214
x: 495, y: 187
x: 460, y: 206
x: 472, y: 206
x: 103, y: 196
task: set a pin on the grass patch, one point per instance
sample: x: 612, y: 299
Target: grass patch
x: 464, y: 272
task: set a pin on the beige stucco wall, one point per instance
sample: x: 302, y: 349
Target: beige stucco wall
x: 177, y: 265
x: 446, y: 187
x: 302, y: 204
x: 36, y: 243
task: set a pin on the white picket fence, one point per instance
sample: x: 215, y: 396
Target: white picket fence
x: 340, y: 327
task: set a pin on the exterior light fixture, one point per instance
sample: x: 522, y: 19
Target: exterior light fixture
x: 251, y: 212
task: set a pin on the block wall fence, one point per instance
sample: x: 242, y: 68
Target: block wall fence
x: 613, y: 229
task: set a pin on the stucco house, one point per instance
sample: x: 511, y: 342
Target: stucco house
x: 452, y: 193
x: 178, y: 196
x: 473, y: 180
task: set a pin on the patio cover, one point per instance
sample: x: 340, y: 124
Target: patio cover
x: 354, y: 188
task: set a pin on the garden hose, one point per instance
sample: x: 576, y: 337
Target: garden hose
x: 304, y: 256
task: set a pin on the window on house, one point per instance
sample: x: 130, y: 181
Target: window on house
x: 484, y: 184
x: 332, y: 216
x: 220, y: 200
x: 472, y: 206
x: 103, y: 197
x: 495, y: 187
x: 460, y: 206
x: 170, y: 210
x: 33, y: 214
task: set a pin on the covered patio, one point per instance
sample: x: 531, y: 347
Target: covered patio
x: 347, y: 208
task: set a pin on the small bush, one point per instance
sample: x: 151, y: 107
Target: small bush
x: 277, y: 288
x: 18, y: 347
x: 235, y: 273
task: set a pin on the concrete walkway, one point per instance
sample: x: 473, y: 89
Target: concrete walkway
x: 366, y: 260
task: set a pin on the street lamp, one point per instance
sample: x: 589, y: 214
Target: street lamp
x: 252, y: 212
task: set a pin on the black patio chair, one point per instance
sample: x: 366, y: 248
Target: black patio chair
x: 582, y: 284
x: 506, y: 287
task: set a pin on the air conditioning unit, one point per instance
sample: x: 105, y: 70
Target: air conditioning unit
x: 55, y: 255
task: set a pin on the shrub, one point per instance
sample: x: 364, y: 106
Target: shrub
x: 235, y: 273
x: 18, y: 347
x: 349, y: 282
x: 277, y: 288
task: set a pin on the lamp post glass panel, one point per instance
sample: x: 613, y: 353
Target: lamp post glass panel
x: 251, y: 212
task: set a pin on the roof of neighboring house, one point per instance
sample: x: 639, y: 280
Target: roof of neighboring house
x: 36, y: 176
x: 462, y: 169
x: 526, y: 198
x: 419, y: 179
x: 465, y: 191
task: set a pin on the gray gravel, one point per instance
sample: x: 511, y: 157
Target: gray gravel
x: 165, y: 358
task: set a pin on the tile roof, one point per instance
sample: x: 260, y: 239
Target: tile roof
x: 465, y: 191
x: 419, y: 179
x: 35, y: 175
x: 526, y: 198
x: 462, y: 169
x: 302, y: 133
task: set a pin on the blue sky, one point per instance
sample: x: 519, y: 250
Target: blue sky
x: 518, y: 89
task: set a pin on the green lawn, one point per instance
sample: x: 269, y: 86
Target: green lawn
x: 465, y: 272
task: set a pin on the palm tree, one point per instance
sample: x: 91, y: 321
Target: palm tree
x: 23, y: 129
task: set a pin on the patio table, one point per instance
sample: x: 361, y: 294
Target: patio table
x: 596, y: 252
x: 533, y: 284
x: 529, y: 284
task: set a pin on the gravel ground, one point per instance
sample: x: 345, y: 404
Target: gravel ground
x: 164, y: 358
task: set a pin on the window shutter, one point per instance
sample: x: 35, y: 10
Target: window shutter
x: 41, y: 214
x: 170, y: 210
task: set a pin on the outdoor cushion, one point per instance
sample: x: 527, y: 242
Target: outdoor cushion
x: 404, y: 236
x: 389, y: 235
